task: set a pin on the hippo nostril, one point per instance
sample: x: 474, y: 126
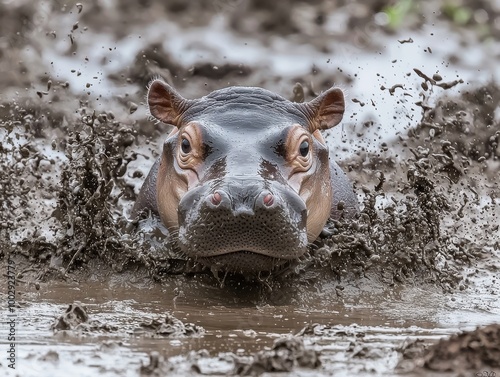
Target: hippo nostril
x: 216, y: 198
x: 268, y: 200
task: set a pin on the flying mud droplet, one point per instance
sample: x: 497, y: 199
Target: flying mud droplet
x: 393, y: 88
x: 132, y: 107
x: 437, y: 77
x: 409, y: 40
x: 355, y: 100
x: 298, y: 93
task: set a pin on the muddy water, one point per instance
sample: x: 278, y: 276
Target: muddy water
x: 362, y: 329
x: 361, y: 332
x: 360, y: 315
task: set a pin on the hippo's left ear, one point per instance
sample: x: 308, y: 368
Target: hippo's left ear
x: 166, y: 104
x: 325, y: 111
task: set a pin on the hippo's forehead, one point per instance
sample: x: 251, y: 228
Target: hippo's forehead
x: 229, y: 102
x: 256, y: 122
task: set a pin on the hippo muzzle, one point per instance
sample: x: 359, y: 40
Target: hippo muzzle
x: 244, y: 181
x: 244, y: 224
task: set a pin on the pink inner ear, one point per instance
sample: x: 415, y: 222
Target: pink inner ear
x: 165, y: 103
x: 330, y: 108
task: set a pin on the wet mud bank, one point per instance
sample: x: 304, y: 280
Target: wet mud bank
x: 401, y: 289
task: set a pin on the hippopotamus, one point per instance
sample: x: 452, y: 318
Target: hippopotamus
x: 245, y: 180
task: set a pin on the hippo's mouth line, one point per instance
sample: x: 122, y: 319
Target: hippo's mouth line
x: 244, y: 261
x: 251, y: 252
x: 248, y: 252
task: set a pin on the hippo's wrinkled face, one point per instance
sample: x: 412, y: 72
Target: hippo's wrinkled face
x: 244, y: 183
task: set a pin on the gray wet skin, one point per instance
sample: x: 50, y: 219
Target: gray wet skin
x: 245, y: 181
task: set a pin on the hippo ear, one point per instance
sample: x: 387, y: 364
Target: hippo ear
x: 165, y: 103
x: 326, y: 110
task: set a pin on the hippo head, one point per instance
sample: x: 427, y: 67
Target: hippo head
x: 244, y: 178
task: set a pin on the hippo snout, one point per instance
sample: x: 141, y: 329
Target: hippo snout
x: 243, y: 224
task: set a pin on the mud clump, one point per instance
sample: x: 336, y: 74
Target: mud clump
x: 285, y: 355
x: 74, y: 315
x: 170, y: 327
x: 76, y: 319
x: 475, y: 350
x: 157, y: 366
x: 466, y: 351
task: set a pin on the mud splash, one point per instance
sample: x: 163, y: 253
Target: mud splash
x: 405, y: 237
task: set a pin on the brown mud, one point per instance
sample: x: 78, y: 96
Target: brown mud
x: 379, y: 295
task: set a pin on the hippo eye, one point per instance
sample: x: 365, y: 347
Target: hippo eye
x: 304, y: 148
x: 185, y: 146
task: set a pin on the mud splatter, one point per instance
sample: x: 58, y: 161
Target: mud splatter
x: 170, y: 327
x: 476, y: 350
x: 472, y: 350
x: 286, y: 354
x: 76, y: 320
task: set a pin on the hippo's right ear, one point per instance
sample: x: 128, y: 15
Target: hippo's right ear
x: 166, y: 104
x: 325, y: 111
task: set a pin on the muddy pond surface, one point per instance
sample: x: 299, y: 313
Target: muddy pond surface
x: 410, y: 287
